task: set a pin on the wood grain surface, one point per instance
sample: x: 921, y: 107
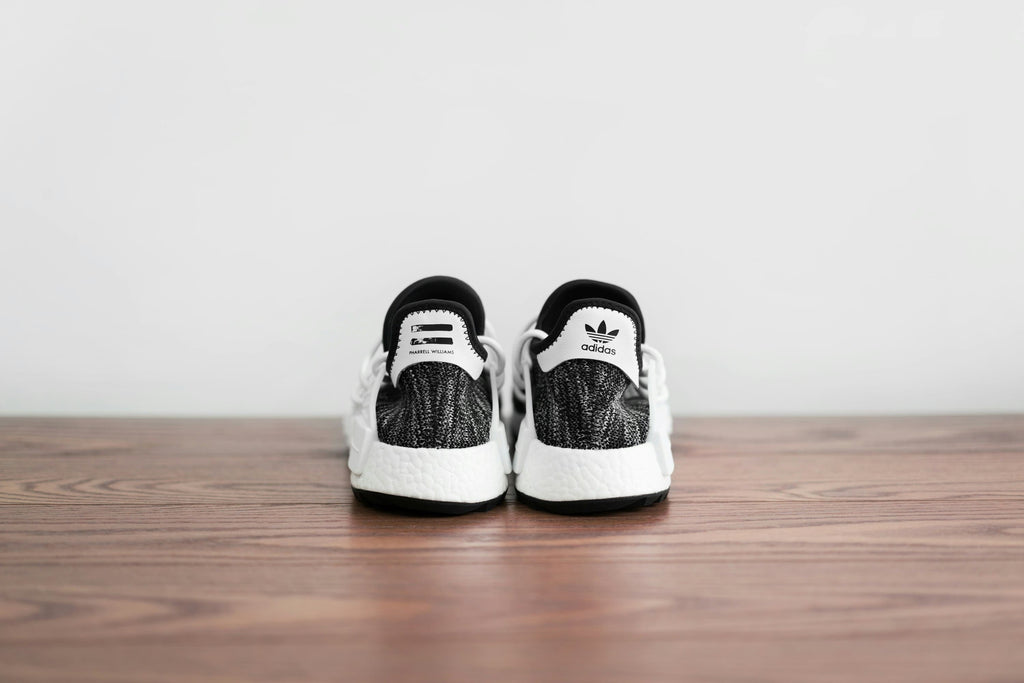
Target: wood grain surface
x: 821, y: 549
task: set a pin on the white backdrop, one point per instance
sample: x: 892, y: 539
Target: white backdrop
x: 206, y: 207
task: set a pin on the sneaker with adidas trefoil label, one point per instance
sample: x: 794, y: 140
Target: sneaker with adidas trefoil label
x: 590, y: 418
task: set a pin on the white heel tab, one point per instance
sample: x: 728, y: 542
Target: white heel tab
x: 595, y: 332
x: 438, y: 335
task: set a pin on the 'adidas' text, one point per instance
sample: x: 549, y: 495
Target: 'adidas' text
x: 598, y: 348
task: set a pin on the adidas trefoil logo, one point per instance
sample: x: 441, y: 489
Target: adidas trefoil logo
x: 601, y: 336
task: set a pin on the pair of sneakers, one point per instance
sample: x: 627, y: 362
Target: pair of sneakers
x: 589, y: 421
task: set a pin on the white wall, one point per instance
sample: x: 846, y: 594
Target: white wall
x: 206, y: 207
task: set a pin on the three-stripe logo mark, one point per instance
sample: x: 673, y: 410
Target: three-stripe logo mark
x: 435, y: 327
x: 602, y: 334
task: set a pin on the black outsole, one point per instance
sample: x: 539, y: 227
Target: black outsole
x: 590, y: 507
x: 419, y: 506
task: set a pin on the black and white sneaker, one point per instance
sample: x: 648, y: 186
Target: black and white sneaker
x: 425, y: 432
x: 590, y: 405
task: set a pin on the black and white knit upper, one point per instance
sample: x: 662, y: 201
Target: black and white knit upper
x: 435, y: 405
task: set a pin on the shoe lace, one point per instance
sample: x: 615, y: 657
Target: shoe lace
x: 497, y: 358
x: 370, y: 372
x: 522, y: 358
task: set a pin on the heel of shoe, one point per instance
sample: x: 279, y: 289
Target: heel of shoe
x: 436, y: 405
x: 588, y: 404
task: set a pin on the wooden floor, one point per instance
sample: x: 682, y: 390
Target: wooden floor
x: 789, y: 549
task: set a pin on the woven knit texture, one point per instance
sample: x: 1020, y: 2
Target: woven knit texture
x: 583, y: 404
x: 436, y: 405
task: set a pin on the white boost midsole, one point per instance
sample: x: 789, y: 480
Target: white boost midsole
x: 565, y: 474
x: 453, y: 475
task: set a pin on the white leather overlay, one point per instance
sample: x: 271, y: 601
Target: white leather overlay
x: 595, y: 333
x: 437, y: 336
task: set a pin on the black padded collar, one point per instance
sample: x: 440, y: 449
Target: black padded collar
x: 554, y: 308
